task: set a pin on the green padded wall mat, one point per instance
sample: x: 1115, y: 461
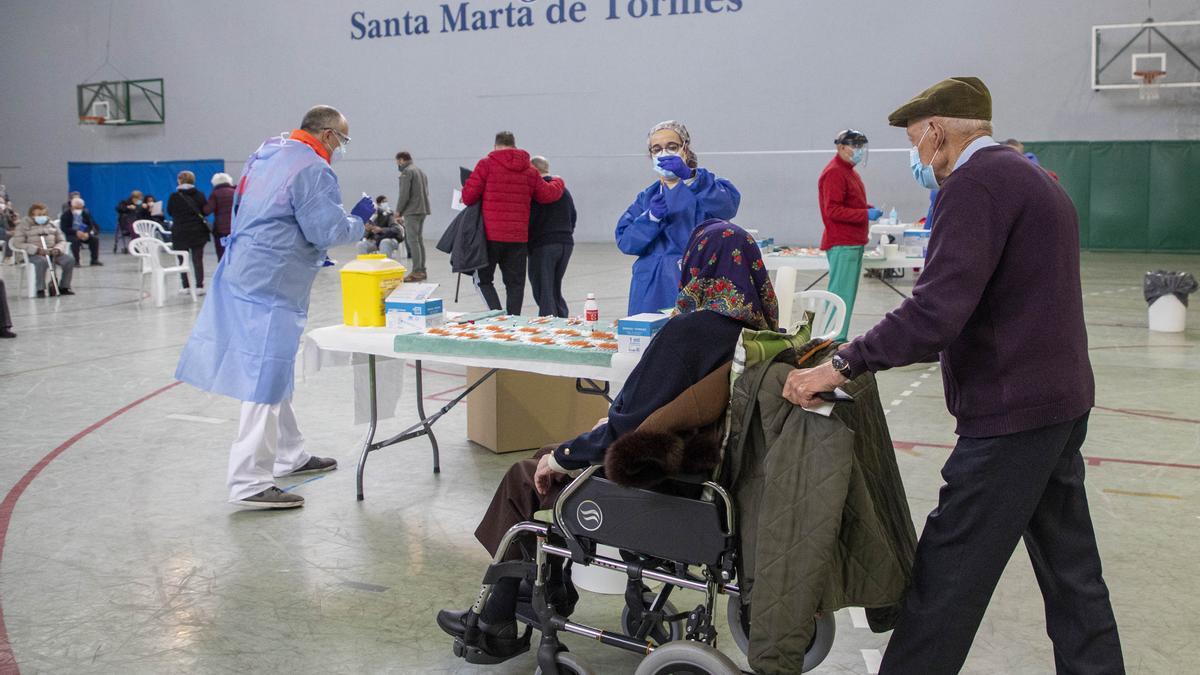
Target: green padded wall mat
x: 1130, y: 195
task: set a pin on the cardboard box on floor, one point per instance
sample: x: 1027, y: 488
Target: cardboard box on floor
x: 515, y: 411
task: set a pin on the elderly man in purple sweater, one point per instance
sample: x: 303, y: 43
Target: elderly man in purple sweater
x: 1000, y: 302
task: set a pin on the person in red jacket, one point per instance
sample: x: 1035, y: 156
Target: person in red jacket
x: 847, y: 215
x: 508, y: 184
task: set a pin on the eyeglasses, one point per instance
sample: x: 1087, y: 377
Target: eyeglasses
x: 669, y: 147
x: 341, y: 137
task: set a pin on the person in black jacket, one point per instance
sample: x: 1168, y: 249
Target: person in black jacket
x: 129, y: 211
x: 551, y: 239
x: 81, y: 230
x: 190, y: 231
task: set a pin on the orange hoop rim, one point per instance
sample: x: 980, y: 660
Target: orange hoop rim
x: 1149, y: 76
x: 91, y: 119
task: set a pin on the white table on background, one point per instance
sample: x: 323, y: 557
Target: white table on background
x: 380, y: 343
x: 871, y: 261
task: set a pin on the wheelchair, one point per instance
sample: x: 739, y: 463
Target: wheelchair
x: 697, y: 552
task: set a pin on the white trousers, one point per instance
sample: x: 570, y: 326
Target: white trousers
x: 268, y: 444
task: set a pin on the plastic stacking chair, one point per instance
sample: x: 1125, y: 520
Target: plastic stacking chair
x: 149, y: 228
x: 150, y: 251
x: 28, y: 273
x: 829, y: 313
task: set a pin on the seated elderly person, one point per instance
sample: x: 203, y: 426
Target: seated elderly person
x: 382, y: 233
x: 725, y: 288
x: 44, y: 243
x: 80, y: 230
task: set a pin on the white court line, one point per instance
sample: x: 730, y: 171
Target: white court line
x: 195, y: 418
x: 906, y: 392
x: 924, y: 376
x: 889, y: 412
x: 897, y: 402
x: 858, y: 617
x: 873, y: 658
x: 931, y: 368
x: 916, y: 384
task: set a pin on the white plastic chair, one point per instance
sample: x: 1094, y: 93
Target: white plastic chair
x: 829, y: 313
x: 28, y: 273
x: 149, y: 250
x: 149, y: 228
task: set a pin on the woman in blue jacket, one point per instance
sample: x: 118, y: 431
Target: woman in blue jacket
x: 658, y: 224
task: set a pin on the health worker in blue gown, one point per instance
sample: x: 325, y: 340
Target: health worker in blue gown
x: 658, y: 224
x: 287, y: 214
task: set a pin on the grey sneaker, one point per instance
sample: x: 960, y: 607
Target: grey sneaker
x: 272, y: 498
x: 314, y: 465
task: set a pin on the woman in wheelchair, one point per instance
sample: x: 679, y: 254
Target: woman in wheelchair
x: 724, y: 289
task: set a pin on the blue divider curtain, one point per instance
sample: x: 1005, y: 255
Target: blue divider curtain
x: 104, y: 184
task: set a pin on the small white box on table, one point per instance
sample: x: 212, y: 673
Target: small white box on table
x: 409, y: 306
x: 635, y: 332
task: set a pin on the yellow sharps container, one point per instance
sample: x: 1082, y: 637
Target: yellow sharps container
x: 366, y: 284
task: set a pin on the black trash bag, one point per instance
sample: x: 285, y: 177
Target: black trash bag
x: 1159, y: 282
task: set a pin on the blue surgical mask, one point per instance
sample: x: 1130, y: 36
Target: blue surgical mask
x: 860, y: 153
x: 923, y: 173
x: 41, y: 220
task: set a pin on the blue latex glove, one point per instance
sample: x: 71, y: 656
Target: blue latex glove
x: 676, y: 165
x: 365, y: 208
x: 874, y: 213
x: 658, y: 206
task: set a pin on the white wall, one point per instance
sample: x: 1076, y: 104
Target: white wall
x: 776, y: 75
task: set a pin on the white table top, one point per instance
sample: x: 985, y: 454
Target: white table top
x: 381, y: 341
x: 871, y: 261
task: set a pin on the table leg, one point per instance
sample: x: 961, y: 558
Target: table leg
x: 816, y: 281
x: 368, y: 444
x: 425, y: 423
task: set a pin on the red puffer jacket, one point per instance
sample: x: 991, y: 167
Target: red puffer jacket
x: 508, y: 183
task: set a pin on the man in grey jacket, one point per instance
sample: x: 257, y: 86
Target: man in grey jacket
x: 411, y: 208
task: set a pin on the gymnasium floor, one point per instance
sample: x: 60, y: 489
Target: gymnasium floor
x: 120, y: 554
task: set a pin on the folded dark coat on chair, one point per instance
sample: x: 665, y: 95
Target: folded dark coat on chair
x: 465, y: 241
x: 822, y: 515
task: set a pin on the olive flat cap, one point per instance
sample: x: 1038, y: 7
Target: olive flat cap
x: 962, y: 97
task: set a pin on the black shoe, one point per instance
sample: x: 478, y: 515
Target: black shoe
x: 41, y: 294
x: 314, y: 465
x: 497, y: 643
x: 97, y: 263
x: 6, y: 333
x: 66, y: 291
x: 272, y: 498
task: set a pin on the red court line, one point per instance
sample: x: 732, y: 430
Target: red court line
x: 435, y: 397
x: 1091, y: 460
x: 1141, y: 413
x: 8, y: 661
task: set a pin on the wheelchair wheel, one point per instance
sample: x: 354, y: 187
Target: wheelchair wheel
x: 568, y: 664
x: 667, y: 631
x: 820, y: 647
x: 687, y: 657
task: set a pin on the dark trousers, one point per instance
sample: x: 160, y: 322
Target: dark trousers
x: 998, y: 490
x: 218, y: 245
x: 515, y: 501
x: 5, y: 315
x: 547, y: 267
x: 93, y: 244
x: 197, y: 264
x: 512, y: 258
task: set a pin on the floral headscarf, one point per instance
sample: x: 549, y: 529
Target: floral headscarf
x: 723, y: 272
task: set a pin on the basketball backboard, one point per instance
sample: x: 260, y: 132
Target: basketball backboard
x: 1150, y: 54
x: 121, y: 102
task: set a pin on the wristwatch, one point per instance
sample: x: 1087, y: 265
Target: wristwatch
x: 842, y: 366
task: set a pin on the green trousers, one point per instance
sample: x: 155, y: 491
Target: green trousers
x: 845, y: 269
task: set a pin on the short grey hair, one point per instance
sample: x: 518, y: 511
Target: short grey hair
x: 77, y: 201
x: 321, y: 117
x: 961, y: 127
x: 541, y: 164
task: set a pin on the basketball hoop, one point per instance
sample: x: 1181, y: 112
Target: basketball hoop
x: 91, y: 119
x: 1147, y: 90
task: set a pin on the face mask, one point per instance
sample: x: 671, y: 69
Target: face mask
x: 661, y: 171
x: 858, y: 156
x: 138, y: 202
x: 922, y: 173
x: 41, y: 220
x: 385, y: 207
x: 76, y: 213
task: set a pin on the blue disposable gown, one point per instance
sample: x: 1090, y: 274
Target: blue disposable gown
x: 290, y: 213
x: 659, y: 246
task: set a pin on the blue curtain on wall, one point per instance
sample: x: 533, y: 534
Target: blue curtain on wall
x: 104, y: 184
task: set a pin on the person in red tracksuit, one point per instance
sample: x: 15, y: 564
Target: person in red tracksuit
x: 508, y: 184
x: 846, y: 214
